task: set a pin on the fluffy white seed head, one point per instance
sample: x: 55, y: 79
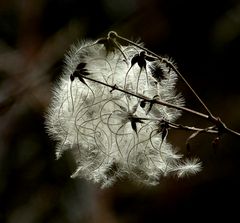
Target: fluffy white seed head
x: 113, y: 134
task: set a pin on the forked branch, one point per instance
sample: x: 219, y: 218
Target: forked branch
x: 218, y: 128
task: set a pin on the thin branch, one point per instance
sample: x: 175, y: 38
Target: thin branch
x: 145, y: 98
x: 170, y: 64
x: 210, y: 129
x: 219, y: 125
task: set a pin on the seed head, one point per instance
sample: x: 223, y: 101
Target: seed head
x: 113, y: 134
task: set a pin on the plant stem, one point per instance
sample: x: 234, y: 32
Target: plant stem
x: 171, y: 65
x: 147, y: 99
x: 220, y: 126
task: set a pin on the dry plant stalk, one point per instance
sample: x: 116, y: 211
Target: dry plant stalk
x: 113, y: 107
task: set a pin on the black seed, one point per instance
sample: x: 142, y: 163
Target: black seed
x: 142, y: 104
x: 80, y: 66
x: 72, y: 77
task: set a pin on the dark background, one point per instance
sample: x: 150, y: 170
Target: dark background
x: 203, y: 38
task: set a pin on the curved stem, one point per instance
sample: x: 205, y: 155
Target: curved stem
x: 171, y: 65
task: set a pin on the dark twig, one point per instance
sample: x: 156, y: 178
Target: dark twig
x: 169, y: 63
x: 219, y: 126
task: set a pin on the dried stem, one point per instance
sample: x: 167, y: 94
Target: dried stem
x: 218, y: 128
x: 170, y: 64
x: 222, y: 128
x: 147, y: 99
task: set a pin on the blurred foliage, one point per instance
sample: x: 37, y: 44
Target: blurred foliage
x: 202, y: 36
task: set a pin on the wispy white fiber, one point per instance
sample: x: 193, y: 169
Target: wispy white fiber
x: 112, y: 134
